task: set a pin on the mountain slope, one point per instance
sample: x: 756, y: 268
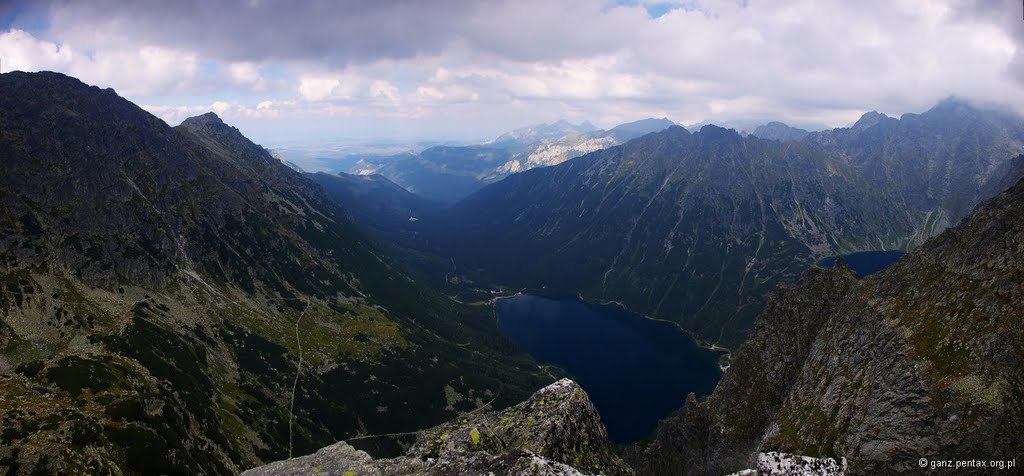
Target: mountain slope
x: 922, y: 360
x: 375, y: 202
x: 943, y: 161
x: 698, y: 228
x: 442, y: 173
x: 176, y: 300
x: 695, y: 228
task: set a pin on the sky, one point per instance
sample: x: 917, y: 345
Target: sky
x: 337, y: 70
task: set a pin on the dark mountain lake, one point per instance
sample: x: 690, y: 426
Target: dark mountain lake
x: 865, y: 263
x: 635, y: 370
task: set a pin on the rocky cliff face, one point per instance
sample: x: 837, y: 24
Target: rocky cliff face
x: 923, y: 360
x: 941, y: 162
x: 177, y: 301
x: 725, y: 430
x: 555, y: 432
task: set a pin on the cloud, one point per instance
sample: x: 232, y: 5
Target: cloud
x: 489, y: 65
x: 384, y: 89
x: 336, y: 32
x: 1008, y: 15
x: 319, y: 88
x: 135, y: 71
x: 175, y: 114
x: 220, y: 107
x: 22, y: 51
x: 249, y: 76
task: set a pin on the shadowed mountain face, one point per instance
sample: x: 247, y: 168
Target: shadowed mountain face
x: 375, y: 202
x: 922, y: 360
x: 443, y: 173
x: 697, y: 228
x: 189, y: 304
x: 632, y: 130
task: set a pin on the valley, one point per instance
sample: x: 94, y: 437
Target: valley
x: 511, y: 238
x: 697, y: 227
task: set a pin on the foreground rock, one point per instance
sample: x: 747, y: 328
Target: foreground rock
x: 785, y: 464
x: 555, y: 432
x: 776, y: 463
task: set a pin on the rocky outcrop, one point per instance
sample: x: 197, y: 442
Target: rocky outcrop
x: 923, y: 361
x: 784, y: 464
x: 555, y: 432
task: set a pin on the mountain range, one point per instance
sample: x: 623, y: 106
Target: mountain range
x: 177, y: 300
x: 698, y: 227
x: 448, y: 173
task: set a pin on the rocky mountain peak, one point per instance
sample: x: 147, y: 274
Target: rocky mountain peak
x: 204, y: 120
x: 49, y: 80
x: 715, y: 133
x: 229, y: 143
x: 210, y: 124
x: 779, y: 131
x: 641, y: 127
x: 556, y: 432
x: 952, y: 104
x: 868, y: 120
